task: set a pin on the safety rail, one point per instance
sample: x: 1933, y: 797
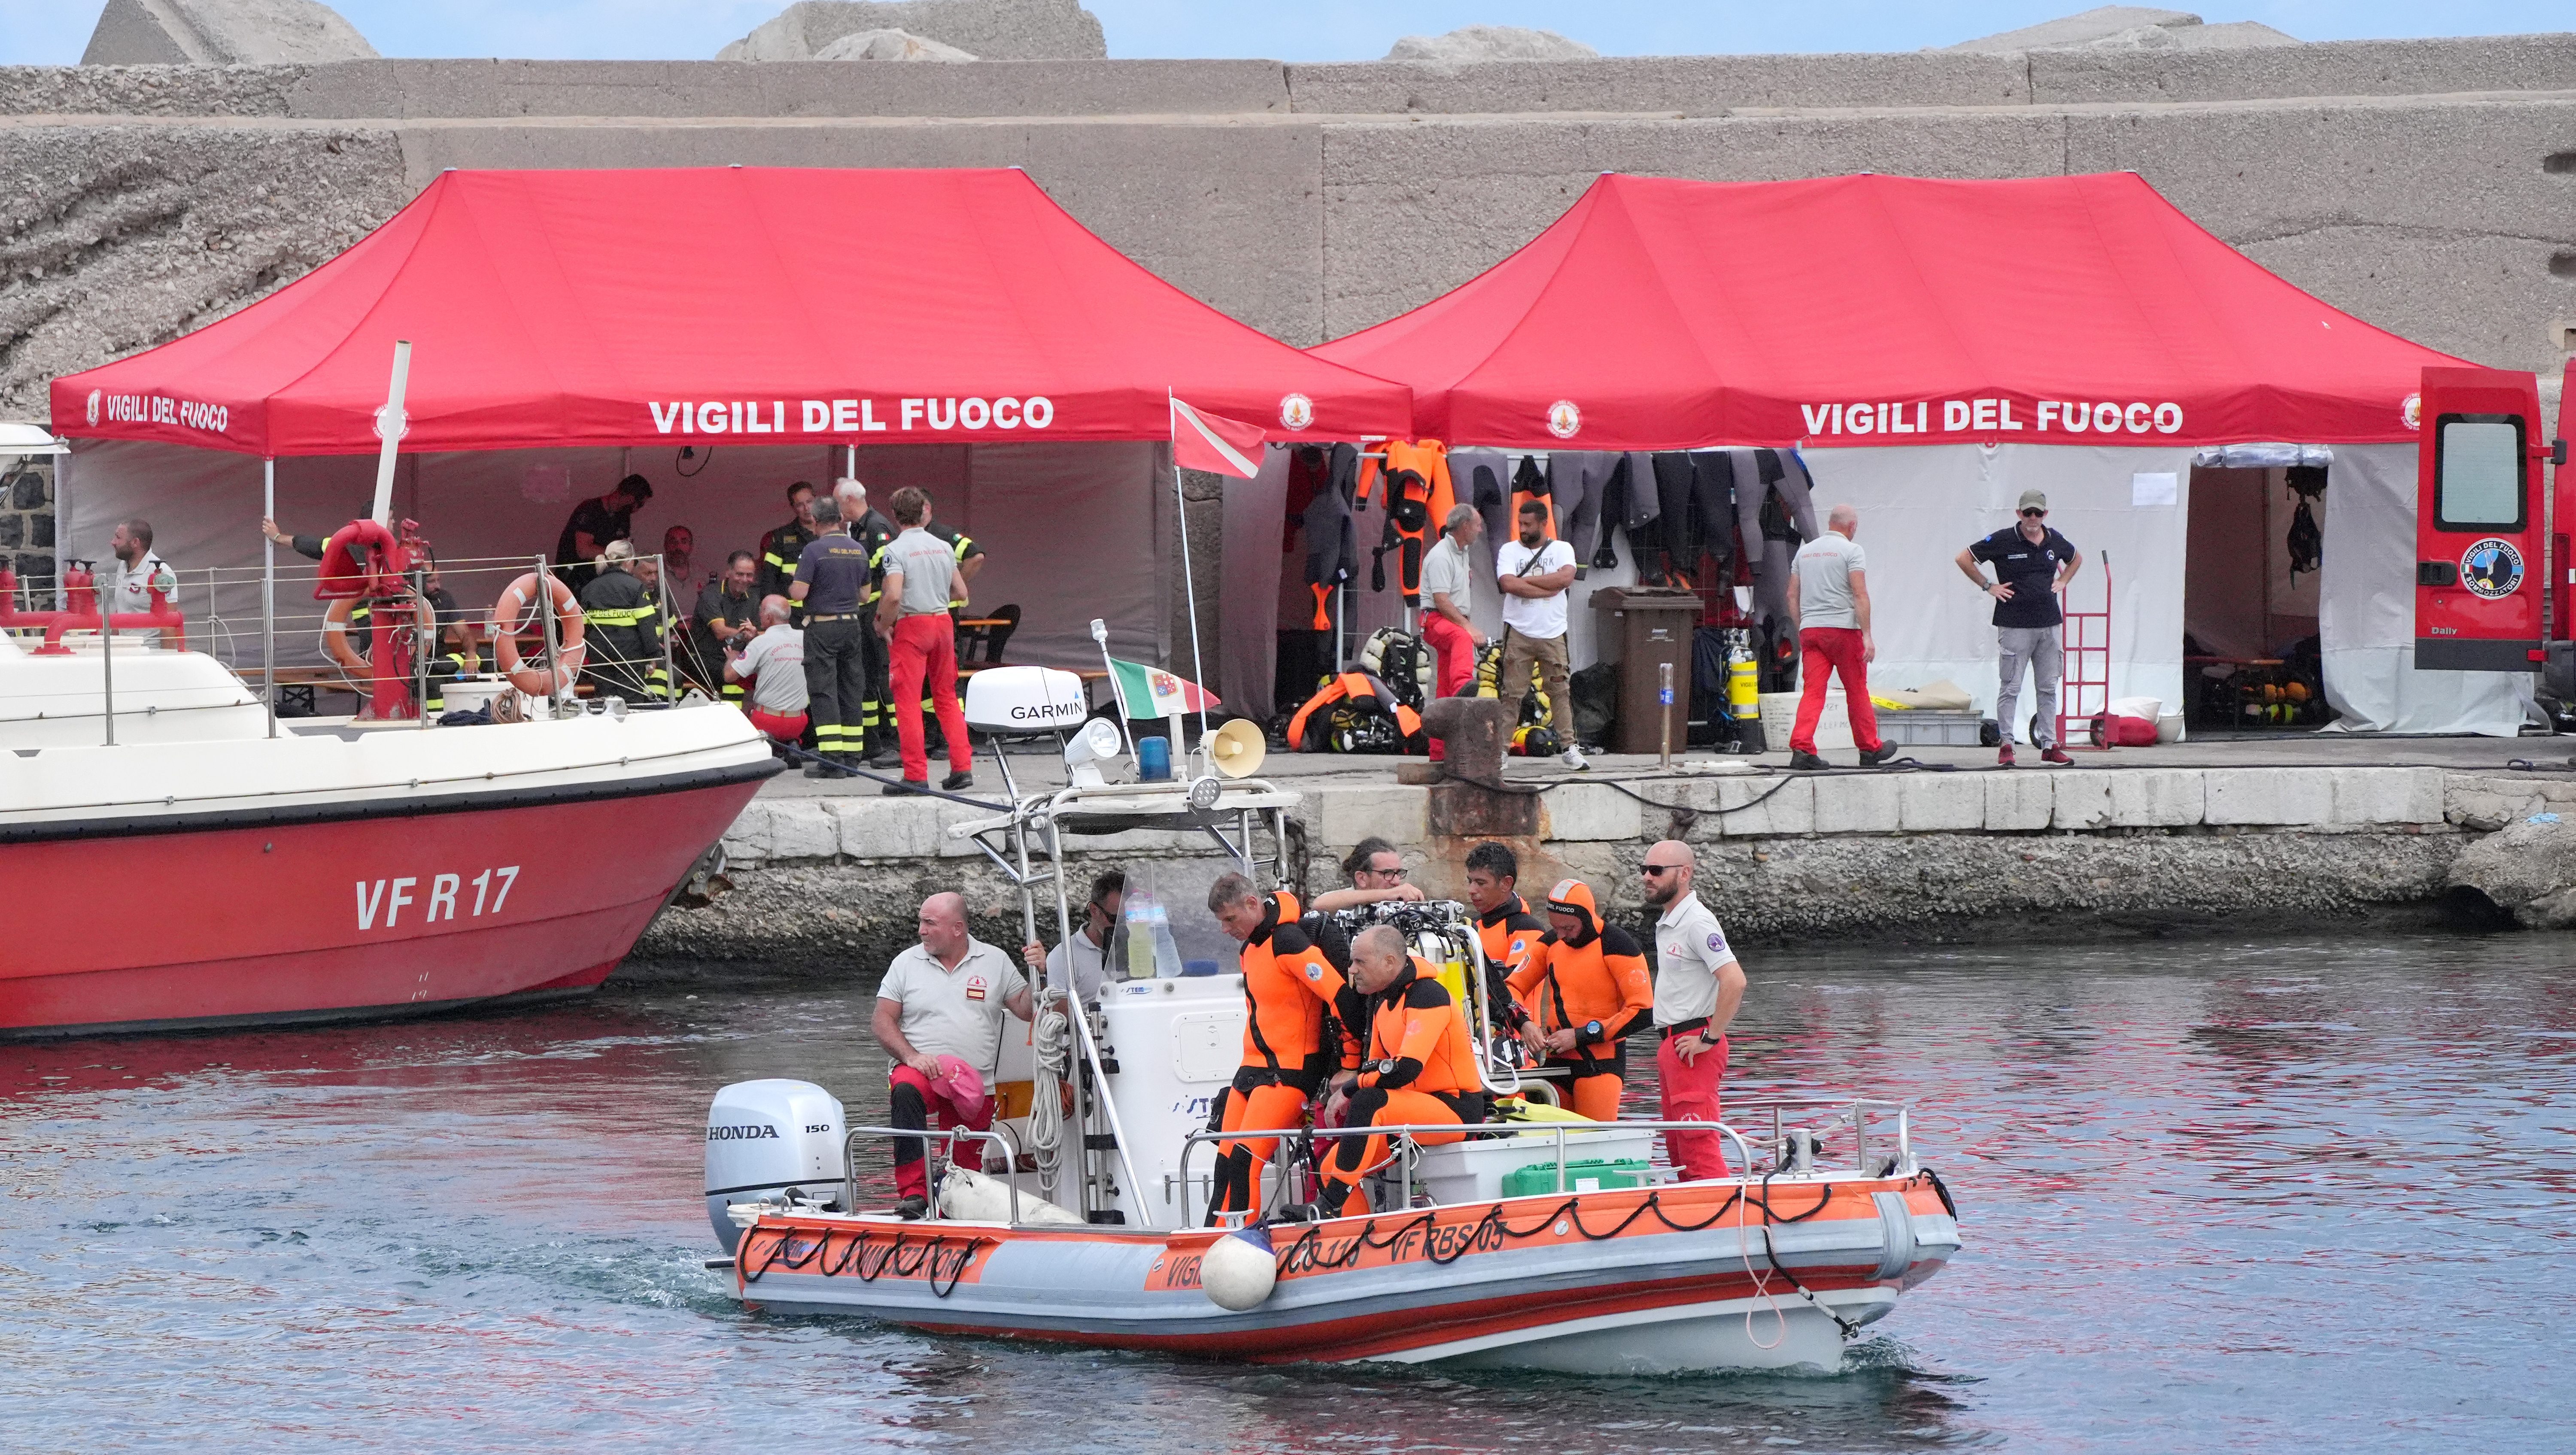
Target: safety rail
x: 1405, y: 1149
x: 231, y: 613
x: 850, y: 1162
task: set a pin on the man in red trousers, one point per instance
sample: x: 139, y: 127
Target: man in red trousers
x: 1829, y: 605
x: 921, y: 582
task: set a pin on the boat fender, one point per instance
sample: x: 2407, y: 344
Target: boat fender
x: 971, y: 1197
x: 1238, y: 1270
x: 506, y: 621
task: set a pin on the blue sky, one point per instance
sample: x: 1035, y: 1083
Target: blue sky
x: 52, y: 32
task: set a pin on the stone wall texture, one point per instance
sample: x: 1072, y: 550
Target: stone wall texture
x: 2427, y: 186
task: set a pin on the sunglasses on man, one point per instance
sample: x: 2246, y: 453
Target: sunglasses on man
x: 2033, y: 514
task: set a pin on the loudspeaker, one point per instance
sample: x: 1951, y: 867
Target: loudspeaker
x: 1236, y: 749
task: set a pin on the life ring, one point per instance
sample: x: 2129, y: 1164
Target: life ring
x: 335, y: 628
x: 507, y: 612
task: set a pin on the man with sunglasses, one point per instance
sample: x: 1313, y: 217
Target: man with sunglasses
x: 1085, y: 957
x: 1698, y: 986
x: 2032, y: 565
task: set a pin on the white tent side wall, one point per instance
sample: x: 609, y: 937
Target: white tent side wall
x: 1073, y: 531
x: 2366, y: 612
x: 1920, y: 505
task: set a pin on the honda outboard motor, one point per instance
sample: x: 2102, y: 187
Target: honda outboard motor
x: 764, y: 1137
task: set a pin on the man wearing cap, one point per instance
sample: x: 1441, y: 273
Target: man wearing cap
x: 1698, y: 986
x: 939, y: 1015
x: 622, y: 630
x: 2032, y: 565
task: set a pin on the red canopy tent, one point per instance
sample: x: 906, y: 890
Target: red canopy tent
x: 731, y: 305
x: 1665, y: 314
x: 723, y: 332
x: 2085, y: 314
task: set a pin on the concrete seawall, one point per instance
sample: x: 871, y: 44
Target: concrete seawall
x: 834, y: 879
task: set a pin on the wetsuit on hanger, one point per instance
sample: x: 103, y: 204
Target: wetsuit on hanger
x: 1418, y: 497
x: 1483, y: 479
x: 1332, y: 544
x: 1772, y: 537
x: 1530, y: 482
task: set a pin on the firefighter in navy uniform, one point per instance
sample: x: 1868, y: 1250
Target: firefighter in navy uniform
x: 1585, y: 989
x: 1297, y: 1008
x: 875, y: 739
x: 622, y: 631
x: 1507, y: 934
x: 882, y: 748
x: 831, y: 580
x: 1418, y: 1067
x: 780, y: 547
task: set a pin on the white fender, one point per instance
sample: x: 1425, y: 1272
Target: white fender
x: 972, y: 1197
x: 1239, y: 1269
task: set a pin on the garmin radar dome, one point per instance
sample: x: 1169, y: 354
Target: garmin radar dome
x: 765, y: 1138
x: 1025, y: 700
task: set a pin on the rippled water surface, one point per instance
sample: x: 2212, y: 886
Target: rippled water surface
x: 2220, y: 1196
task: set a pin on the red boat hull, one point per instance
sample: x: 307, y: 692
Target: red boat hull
x: 344, y: 911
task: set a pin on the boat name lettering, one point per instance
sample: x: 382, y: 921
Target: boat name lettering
x: 741, y: 1134
x: 1439, y: 1242
x: 384, y: 900
x: 1183, y: 1272
x: 835, y: 417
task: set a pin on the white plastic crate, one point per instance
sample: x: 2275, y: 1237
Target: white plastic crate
x: 1917, y: 728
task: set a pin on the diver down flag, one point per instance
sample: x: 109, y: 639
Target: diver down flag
x: 1214, y: 443
x: 1150, y: 692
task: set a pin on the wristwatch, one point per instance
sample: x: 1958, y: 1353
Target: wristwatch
x: 1592, y: 1030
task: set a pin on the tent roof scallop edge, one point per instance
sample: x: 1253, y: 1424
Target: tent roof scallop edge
x: 795, y: 306
x: 1874, y: 310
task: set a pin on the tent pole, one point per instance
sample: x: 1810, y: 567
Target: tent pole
x: 268, y: 594
x: 1190, y: 586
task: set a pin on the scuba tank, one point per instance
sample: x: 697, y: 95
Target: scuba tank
x: 1744, y: 694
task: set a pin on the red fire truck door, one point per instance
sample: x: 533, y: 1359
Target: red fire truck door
x: 2478, y: 522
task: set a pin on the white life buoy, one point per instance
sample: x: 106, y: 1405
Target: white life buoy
x: 508, y: 615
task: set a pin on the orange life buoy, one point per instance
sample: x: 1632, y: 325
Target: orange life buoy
x: 507, y: 612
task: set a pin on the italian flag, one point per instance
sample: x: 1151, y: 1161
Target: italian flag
x: 1151, y: 692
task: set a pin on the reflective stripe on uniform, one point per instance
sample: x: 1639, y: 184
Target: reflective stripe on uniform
x: 619, y: 616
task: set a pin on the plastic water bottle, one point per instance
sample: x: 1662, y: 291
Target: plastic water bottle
x: 1137, y: 911
x: 1167, y: 951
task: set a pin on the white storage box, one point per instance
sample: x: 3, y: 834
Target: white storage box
x: 1916, y: 728
x: 1473, y: 1171
x: 1780, y: 715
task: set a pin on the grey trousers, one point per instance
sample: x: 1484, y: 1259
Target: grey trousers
x: 2041, y: 648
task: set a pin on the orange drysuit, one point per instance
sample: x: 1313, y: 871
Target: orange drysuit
x: 1290, y: 1044
x: 1420, y: 1070
x: 1594, y: 983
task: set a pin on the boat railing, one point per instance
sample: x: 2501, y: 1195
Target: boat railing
x: 1794, y: 1148
x: 1404, y: 1146
x: 952, y: 1136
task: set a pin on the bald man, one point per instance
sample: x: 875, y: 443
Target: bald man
x: 1698, y: 986
x: 939, y: 1012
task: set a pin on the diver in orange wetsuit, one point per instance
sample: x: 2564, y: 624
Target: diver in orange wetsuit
x: 1289, y: 982
x: 1585, y: 988
x: 1420, y: 1068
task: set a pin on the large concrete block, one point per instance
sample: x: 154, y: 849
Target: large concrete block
x: 2157, y: 797
x: 2386, y: 795
x: 997, y: 30
x: 1660, y: 85
x: 1857, y: 803
x: 1769, y: 805
x: 1397, y: 813
x: 876, y: 827
x: 2422, y: 67
x: 1931, y: 803
x: 746, y: 839
x: 801, y: 828
x: 1578, y: 812
x: 2019, y: 801
x: 2269, y: 796
x: 2080, y: 800
x: 221, y: 33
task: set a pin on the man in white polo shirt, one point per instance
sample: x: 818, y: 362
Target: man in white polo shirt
x: 1698, y: 986
x: 1447, y: 591
x: 939, y: 1012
